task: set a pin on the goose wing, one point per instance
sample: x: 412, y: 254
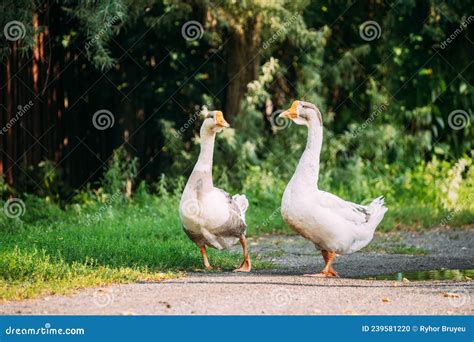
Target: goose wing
x: 355, y: 213
x: 237, y: 218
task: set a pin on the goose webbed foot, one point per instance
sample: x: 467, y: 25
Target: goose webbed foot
x: 246, y: 265
x: 328, y: 271
x: 323, y: 274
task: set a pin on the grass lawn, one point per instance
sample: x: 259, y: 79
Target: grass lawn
x: 54, y: 251
x: 61, y: 251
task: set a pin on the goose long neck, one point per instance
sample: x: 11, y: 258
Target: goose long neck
x: 204, y: 162
x: 201, y: 177
x: 307, y: 171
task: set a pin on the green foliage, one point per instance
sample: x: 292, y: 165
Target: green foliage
x: 4, y: 188
x: 44, y: 179
x: 99, y: 21
x: 121, y: 172
x: 19, y: 11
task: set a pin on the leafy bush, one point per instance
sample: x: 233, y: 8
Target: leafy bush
x: 121, y: 173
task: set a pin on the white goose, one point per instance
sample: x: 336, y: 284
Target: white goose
x: 334, y: 225
x: 210, y: 216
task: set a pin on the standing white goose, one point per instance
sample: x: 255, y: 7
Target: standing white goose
x: 210, y: 216
x: 334, y: 225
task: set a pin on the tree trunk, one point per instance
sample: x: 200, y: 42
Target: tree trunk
x: 243, y: 63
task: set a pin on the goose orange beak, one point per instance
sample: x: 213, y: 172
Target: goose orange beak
x: 220, y: 121
x: 291, y: 113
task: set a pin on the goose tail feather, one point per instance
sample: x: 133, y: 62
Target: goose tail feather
x: 243, y: 204
x: 377, y: 211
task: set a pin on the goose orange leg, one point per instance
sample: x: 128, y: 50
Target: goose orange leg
x: 246, y: 265
x: 327, y: 271
x: 204, y: 258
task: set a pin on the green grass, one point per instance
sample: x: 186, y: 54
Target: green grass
x: 405, y: 249
x: 54, y: 251
x: 28, y: 274
x: 130, y: 242
x: 392, y: 245
x: 263, y: 220
x: 418, y: 217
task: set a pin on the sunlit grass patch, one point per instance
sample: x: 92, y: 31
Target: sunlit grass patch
x: 130, y: 242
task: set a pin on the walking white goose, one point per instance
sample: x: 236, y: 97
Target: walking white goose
x: 334, y: 225
x: 210, y: 216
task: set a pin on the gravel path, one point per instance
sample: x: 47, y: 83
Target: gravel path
x: 439, y: 248
x: 284, y: 290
